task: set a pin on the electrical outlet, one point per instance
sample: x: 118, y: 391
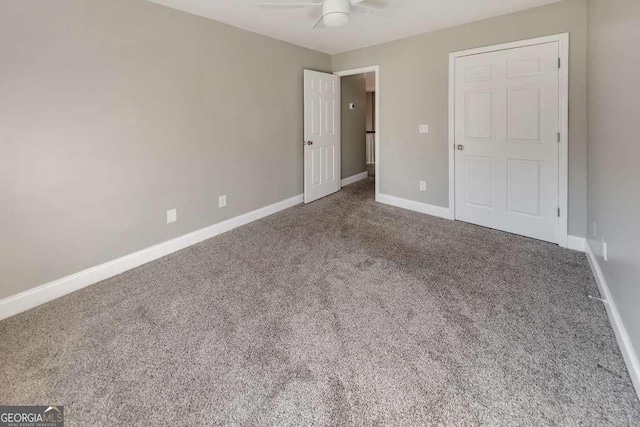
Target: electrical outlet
x: 604, y: 250
x: 172, y: 216
x: 595, y: 229
x: 222, y: 201
x: 423, y: 129
x: 423, y: 185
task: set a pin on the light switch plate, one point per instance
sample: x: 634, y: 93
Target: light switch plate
x: 424, y: 129
x: 172, y: 216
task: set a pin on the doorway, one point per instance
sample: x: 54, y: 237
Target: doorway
x: 360, y: 126
x: 322, y: 133
x: 508, y: 135
x: 357, y: 131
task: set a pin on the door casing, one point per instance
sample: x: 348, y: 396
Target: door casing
x: 563, y: 173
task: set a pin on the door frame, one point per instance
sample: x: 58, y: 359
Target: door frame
x: 375, y: 69
x: 563, y: 153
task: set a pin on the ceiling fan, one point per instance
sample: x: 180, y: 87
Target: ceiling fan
x: 335, y: 13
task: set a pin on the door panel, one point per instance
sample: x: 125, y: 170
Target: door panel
x: 524, y: 181
x: 479, y: 115
x: 321, y: 135
x: 524, y: 67
x: 316, y: 166
x: 524, y: 115
x: 330, y: 166
x: 480, y: 181
x: 506, y: 126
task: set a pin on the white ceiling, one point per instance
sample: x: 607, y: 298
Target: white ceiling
x: 408, y: 18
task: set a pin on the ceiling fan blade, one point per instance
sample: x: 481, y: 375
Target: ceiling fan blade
x: 379, y: 4
x: 319, y: 25
x: 371, y: 11
x: 288, y: 5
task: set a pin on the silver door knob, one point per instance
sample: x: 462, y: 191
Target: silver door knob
x: 460, y: 147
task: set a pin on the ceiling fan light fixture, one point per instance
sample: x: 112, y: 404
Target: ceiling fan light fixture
x: 335, y: 19
x: 335, y: 13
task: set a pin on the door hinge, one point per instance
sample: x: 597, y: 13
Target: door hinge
x: 559, y: 62
x: 558, y: 212
x: 559, y: 137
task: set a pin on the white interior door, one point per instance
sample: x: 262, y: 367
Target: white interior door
x: 506, y: 137
x: 321, y: 135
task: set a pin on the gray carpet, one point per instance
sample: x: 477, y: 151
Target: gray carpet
x: 340, y: 312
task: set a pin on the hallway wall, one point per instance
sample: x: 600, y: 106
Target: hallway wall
x: 353, y: 125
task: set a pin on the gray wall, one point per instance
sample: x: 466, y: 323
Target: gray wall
x: 414, y: 90
x: 614, y: 151
x: 353, y: 125
x: 371, y: 111
x: 114, y: 111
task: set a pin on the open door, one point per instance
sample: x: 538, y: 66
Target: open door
x: 321, y: 135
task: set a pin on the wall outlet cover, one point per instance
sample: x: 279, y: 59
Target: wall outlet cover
x: 423, y: 185
x: 352, y: 106
x: 222, y: 201
x: 172, y: 216
x: 424, y: 128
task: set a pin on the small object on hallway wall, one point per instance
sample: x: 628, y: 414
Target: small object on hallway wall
x: 352, y: 106
x: 423, y: 186
x: 222, y: 201
x: 424, y: 129
x: 172, y: 216
x: 604, y: 250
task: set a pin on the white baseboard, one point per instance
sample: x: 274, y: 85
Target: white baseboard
x: 624, y: 342
x: 354, y: 178
x: 573, y: 242
x: 576, y: 243
x: 415, y: 206
x: 44, y: 293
